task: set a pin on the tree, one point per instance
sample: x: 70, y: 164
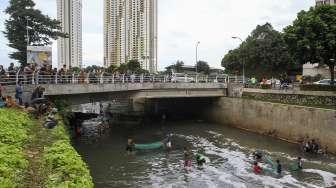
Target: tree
x: 41, y: 28
x: 203, y: 66
x: 133, y: 66
x: 263, y: 53
x: 123, y: 68
x: 93, y: 68
x: 177, y: 67
x: 312, y: 37
x: 112, y: 68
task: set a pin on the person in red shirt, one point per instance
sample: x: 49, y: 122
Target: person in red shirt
x: 256, y: 168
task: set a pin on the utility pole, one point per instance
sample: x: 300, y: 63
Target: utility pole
x: 27, y: 30
x: 197, y: 44
x: 243, y: 59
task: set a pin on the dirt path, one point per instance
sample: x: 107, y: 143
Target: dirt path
x: 39, y: 138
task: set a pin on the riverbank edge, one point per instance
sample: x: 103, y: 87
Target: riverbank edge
x: 291, y: 123
x: 62, y: 164
x: 32, y: 156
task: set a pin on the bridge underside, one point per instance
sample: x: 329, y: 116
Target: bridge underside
x: 153, y: 102
x: 77, y: 99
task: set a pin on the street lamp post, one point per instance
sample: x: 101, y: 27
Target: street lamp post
x: 197, y: 44
x: 332, y: 81
x: 243, y: 59
x: 27, y: 30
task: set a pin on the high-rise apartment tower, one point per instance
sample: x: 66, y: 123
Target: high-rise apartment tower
x: 130, y: 32
x: 322, y: 2
x: 69, y: 13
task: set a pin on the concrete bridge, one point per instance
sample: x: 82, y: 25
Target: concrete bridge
x: 140, y: 90
x: 132, y: 94
x: 136, y: 92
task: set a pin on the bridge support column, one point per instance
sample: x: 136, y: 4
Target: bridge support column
x: 139, y: 105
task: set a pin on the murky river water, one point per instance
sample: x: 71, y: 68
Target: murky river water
x: 228, y: 149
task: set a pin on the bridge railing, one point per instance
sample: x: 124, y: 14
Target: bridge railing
x: 36, y: 78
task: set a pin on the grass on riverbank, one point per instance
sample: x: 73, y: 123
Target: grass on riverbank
x: 14, y: 126
x: 31, y: 156
x: 62, y: 164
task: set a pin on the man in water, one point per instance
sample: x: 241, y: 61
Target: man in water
x: 314, y: 147
x: 200, y: 160
x: 130, y: 145
x: 278, y: 167
x: 168, y: 144
x: 256, y: 168
x: 187, y: 157
x: 300, y: 163
x: 257, y: 155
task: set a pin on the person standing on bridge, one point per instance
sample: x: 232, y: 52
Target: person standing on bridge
x: 2, y: 74
x: 2, y: 89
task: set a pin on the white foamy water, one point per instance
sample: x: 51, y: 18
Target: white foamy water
x: 236, y: 171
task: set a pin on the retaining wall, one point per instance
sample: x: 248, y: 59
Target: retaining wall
x: 289, y: 122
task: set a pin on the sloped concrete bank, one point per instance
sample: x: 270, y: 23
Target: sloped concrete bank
x: 289, y: 122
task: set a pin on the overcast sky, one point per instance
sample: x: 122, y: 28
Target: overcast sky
x: 181, y: 24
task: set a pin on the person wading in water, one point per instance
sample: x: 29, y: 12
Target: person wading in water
x: 187, y: 157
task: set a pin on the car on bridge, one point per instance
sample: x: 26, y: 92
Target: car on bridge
x: 323, y: 82
x: 182, y: 78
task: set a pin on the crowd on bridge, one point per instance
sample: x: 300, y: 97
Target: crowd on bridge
x: 34, y: 74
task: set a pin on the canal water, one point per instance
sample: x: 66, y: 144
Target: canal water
x: 228, y: 149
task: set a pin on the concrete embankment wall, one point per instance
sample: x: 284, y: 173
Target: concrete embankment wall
x: 289, y: 122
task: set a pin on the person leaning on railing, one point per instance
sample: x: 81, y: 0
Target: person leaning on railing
x: 2, y: 90
x: 81, y: 76
x: 27, y: 73
x: 61, y: 74
x: 2, y: 74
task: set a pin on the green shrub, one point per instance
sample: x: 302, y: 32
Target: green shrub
x: 13, y: 135
x: 12, y: 165
x: 60, y: 133
x: 316, y: 87
x: 64, y: 167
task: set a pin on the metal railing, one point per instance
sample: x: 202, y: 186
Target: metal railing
x: 37, y: 78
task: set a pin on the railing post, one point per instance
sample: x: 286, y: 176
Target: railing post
x: 142, y: 78
x: 123, y: 78
x: 196, y: 78
x: 88, y: 78
x: 207, y: 79
x: 33, y: 77
x: 73, y: 78
x: 112, y: 78
x: 17, y: 76
x: 56, y: 77
x: 37, y: 77
x: 102, y: 78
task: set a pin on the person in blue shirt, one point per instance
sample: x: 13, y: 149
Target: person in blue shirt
x: 18, y: 93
